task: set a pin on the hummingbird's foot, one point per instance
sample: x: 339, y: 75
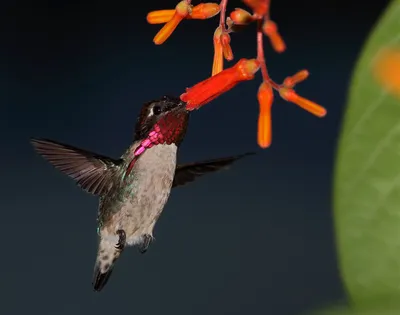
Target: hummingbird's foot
x: 122, y: 240
x: 145, y: 243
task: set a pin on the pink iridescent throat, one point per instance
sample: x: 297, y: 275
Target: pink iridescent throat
x: 169, y: 129
x: 155, y: 137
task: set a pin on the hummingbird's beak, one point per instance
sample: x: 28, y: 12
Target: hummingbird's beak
x: 177, y: 105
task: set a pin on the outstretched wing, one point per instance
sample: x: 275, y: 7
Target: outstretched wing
x: 92, y: 172
x: 186, y: 173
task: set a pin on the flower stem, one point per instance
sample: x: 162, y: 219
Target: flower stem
x: 222, y: 15
x: 261, y: 56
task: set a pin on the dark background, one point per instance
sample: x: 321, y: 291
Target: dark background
x: 257, y: 239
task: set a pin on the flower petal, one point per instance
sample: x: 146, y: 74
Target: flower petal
x: 160, y: 16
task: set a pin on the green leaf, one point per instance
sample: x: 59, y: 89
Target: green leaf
x: 367, y: 181
x: 348, y: 311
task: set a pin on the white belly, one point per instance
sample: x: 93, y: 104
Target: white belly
x: 153, y: 175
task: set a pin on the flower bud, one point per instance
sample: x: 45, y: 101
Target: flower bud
x: 271, y: 30
x: 291, y: 96
x: 300, y: 76
x: 205, y: 11
x: 265, y: 98
x: 226, y: 47
x: 241, y: 17
x: 160, y: 16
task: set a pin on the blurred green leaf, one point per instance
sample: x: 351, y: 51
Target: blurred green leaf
x: 347, y: 311
x: 367, y: 182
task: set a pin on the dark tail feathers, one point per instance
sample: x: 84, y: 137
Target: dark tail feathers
x: 100, y: 279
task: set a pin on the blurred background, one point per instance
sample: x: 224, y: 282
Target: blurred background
x: 257, y: 239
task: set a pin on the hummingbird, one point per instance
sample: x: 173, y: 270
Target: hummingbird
x: 134, y: 188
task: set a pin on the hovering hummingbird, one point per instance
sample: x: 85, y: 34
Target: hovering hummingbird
x: 133, y: 189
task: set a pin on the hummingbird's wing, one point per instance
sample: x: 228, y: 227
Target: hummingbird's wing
x: 186, y: 173
x: 92, y: 172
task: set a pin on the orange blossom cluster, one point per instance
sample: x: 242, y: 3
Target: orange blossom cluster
x: 223, y: 80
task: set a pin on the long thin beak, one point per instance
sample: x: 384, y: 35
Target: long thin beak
x: 177, y: 106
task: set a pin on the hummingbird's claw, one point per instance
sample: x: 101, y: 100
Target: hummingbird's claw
x: 122, y: 240
x: 145, y: 243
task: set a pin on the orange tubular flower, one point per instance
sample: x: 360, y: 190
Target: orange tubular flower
x: 209, y: 89
x: 271, y: 30
x: 291, y: 96
x: 222, y: 49
x: 218, y: 61
x: 182, y: 10
x: 265, y: 97
x: 300, y: 76
x: 385, y: 69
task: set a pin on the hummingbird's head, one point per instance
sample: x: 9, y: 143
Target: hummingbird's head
x: 167, y: 116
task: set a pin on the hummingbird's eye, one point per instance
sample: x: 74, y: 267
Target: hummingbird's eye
x: 157, y: 110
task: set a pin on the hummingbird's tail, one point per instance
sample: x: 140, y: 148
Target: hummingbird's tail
x: 100, y: 278
x: 107, y: 255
